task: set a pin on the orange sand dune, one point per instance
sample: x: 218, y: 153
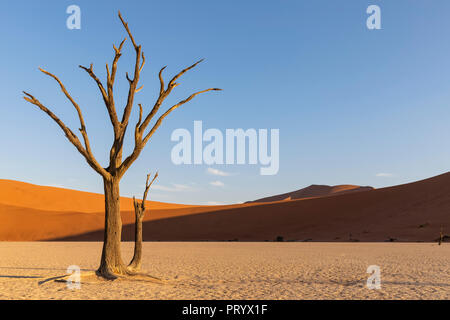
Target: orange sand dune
x: 410, y: 212
x: 314, y: 191
x: 27, y: 224
x: 21, y: 194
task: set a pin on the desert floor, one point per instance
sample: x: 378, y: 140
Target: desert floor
x: 233, y: 270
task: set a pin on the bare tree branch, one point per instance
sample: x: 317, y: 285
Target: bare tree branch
x: 133, y: 82
x: 147, y: 188
x: 172, y: 82
x: 161, y: 80
x: 116, y: 59
x: 143, y: 62
x: 90, y: 71
x: 141, y: 206
x: 128, y: 77
x: 128, y: 30
x: 165, y: 114
x: 140, y: 144
x: 108, y: 76
x: 111, y: 110
x: 70, y: 135
x: 163, y: 93
x: 110, y: 79
x: 140, y: 116
x: 78, y: 109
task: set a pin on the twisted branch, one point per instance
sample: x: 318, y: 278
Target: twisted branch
x: 86, y: 153
x: 106, y: 99
x: 165, y: 114
x: 147, y: 188
x: 132, y: 82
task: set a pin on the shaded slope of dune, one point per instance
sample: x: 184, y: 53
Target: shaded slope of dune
x: 410, y: 212
x: 314, y: 191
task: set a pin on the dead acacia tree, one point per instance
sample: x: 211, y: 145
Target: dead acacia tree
x: 111, y: 263
x: 139, y: 212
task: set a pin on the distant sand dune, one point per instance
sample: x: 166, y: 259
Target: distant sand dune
x: 314, y: 191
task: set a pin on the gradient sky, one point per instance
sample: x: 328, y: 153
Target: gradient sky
x: 354, y: 106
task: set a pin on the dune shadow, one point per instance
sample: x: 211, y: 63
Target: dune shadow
x: 294, y: 220
x: 219, y: 225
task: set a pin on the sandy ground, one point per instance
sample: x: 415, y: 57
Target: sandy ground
x: 230, y: 270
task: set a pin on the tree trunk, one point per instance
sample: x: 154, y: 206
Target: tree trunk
x: 111, y: 262
x: 136, y: 262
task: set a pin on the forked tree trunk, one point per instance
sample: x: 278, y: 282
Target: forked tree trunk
x: 111, y: 261
x: 136, y: 262
x: 139, y: 211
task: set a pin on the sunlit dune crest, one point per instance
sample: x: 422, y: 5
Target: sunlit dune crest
x: 314, y: 191
x: 21, y: 194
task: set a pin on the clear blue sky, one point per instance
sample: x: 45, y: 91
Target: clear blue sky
x: 350, y: 103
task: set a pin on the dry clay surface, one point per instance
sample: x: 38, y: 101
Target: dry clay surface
x: 229, y: 270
